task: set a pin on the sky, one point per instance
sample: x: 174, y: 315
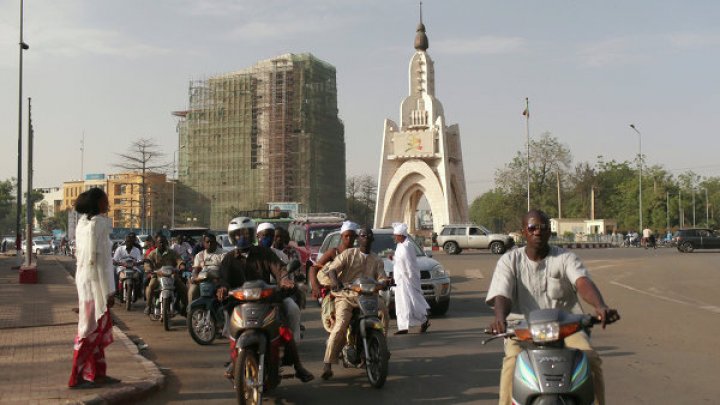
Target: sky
x: 114, y: 71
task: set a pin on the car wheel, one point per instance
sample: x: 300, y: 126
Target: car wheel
x: 451, y: 248
x: 497, y: 247
x: 688, y: 247
x: 440, y: 308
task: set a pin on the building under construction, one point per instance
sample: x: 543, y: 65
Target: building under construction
x: 268, y: 133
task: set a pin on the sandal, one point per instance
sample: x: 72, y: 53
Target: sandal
x: 107, y: 380
x: 84, y: 384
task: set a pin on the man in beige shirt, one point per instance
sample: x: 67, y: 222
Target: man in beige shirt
x: 348, y: 266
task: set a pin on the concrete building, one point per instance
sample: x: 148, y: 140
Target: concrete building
x: 51, y: 203
x: 125, y: 196
x: 422, y: 156
x: 268, y: 133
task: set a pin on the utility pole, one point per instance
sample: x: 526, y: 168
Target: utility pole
x: 82, y: 156
x: 640, y: 161
x: 526, y: 113
x: 559, y: 196
x: 29, y: 208
x: 667, y: 210
x: 707, y: 210
x: 18, y: 234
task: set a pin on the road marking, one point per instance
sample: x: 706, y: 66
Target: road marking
x: 709, y: 308
x: 474, y: 273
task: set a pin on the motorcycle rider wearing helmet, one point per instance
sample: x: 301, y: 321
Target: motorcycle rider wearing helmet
x: 247, y: 263
x: 349, y: 265
x: 164, y: 256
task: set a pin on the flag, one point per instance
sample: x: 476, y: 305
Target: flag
x: 526, y: 113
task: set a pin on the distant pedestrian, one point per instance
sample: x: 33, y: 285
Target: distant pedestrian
x: 94, y: 281
x: 410, y: 305
x: 4, y: 245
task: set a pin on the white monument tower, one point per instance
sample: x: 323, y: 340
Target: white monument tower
x: 422, y: 156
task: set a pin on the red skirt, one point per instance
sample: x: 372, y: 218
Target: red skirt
x: 89, y: 355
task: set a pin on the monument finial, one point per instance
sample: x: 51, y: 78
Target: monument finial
x: 421, y: 40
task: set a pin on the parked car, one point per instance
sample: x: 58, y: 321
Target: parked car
x: 40, y: 245
x: 456, y: 237
x: 435, y: 281
x: 224, y: 242
x: 687, y: 240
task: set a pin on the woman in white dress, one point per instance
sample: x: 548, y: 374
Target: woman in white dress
x: 95, y: 285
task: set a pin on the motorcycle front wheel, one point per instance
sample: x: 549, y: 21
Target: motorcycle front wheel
x: 165, y: 310
x: 127, y: 292
x: 246, y: 378
x: 376, y: 358
x: 202, y: 326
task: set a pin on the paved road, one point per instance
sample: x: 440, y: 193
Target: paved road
x: 663, y: 350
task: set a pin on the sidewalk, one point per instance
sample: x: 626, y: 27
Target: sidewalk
x: 37, y: 328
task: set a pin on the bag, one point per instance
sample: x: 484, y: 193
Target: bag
x: 327, y: 313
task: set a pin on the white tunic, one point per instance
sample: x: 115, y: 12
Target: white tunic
x: 94, y: 275
x: 410, y: 305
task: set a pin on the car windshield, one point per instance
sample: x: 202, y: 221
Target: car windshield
x: 317, y: 235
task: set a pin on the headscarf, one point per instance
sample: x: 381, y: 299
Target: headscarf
x: 400, y: 229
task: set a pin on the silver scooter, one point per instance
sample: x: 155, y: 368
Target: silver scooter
x: 546, y: 371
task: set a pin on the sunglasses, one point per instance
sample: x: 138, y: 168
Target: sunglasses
x: 363, y: 235
x: 540, y: 227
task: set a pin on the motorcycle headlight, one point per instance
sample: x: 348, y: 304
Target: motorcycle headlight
x: 437, y: 272
x: 545, y: 332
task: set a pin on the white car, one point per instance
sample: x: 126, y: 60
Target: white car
x: 40, y: 245
x: 435, y: 281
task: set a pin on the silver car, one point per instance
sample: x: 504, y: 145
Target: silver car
x: 435, y: 282
x: 40, y: 245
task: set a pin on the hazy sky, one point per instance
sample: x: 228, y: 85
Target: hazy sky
x: 116, y: 69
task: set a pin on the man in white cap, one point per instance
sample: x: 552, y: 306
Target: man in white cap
x: 348, y: 235
x: 410, y: 305
x: 266, y: 237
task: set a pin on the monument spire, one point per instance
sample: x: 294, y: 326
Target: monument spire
x: 421, y: 40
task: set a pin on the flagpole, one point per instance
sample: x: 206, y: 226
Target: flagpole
x: 527, y: 140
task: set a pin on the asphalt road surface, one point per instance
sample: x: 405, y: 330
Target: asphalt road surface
x: 663, y: 351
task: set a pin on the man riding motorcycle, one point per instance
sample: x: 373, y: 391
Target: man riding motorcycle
x: 211, y: 256
x: 247, y: 263
x: 127, y: 251
x: 540, y: 276
x: 349, y: 265
x: 161, y: 256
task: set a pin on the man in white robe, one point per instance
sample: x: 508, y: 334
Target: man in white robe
x: 410, y: 305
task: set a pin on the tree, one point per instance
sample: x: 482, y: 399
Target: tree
x: 143, y: 157
x: 361, y: 194
x: 7, y: 206
x: 548, y: 157
x: 57, y: 221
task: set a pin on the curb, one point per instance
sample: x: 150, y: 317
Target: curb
x: 132, y: 392
x: 129, y: 392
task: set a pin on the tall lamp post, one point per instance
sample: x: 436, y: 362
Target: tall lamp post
x: 23, y: 47
x: 639, y: 174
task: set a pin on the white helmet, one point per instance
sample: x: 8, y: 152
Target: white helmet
x: 241, y: 223
x: 265, y: 226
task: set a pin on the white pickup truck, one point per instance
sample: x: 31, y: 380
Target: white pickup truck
x: 456, y: 237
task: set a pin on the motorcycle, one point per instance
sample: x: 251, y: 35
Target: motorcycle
x: 166, y: 300
x: 130, y: 282
x: 546, y: 371
x: 366, y: 344
x: 259, y: 339
x: 206, y: 315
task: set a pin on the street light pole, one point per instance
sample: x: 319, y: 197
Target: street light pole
x: 707, y: 210
x: 23, y: 47
x: 639, y: 174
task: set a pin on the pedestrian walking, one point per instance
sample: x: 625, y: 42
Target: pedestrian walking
x: 410, y: 305
x: 94, y: 281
